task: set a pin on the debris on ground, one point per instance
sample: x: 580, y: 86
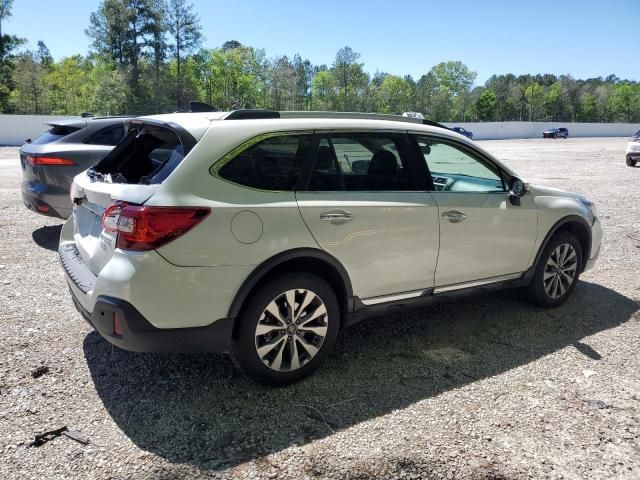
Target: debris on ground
x: 39, y: 371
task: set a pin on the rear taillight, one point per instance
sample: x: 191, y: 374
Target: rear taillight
x: 142, y: 228
x: 42, y: 160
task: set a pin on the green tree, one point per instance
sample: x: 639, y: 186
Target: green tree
x: 454, y: 80
x: 486, y: 105
x: 324, y: 90
x: 8, y: 45
x: 186, y: 33
x: 533, y: 95
x: 625, y: 101
x: 395, y: 95
x: 349, y: 76
x: 232, y: 78
x: 121, y: 31
x: 28, y: 91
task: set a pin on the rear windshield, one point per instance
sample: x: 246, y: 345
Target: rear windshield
x: 54, y: 134
x: 147, y: 155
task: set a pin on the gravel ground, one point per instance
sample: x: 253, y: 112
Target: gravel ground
x: 488, y: 387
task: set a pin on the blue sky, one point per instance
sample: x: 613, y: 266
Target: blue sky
x: 583, y: 38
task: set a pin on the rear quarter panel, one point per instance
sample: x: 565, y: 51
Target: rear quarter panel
x: 271, y: 216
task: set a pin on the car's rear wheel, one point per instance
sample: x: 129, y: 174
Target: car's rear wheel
x: 631, y: 162
x: 555, y: 136
x: 565, y: 136
x: 287, y: 329
x: 557, y: 271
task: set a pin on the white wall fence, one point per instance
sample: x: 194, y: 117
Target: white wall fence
x: 504, y: 130
x: 15, y: 129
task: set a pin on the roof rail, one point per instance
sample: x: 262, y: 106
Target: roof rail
x: 195, y: 106
x: 361, y: 115
x: 251, y: 114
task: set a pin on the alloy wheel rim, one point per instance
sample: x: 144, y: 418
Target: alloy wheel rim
x: 291, y: 330
x: 560, y: 270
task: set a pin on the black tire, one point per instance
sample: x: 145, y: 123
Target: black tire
x: 630, y: 162
x: 555, y: 136
x: 537, y: 291
x: 244, y: 346
x: 565, y: 136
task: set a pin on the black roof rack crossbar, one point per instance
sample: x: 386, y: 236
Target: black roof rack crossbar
x: 251, y: 114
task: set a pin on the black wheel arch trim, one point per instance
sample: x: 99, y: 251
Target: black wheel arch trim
x: 295, y: 254
x: 554, y: 229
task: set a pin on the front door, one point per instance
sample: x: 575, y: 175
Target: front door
x: 483, y: 235
x: 367, y: 206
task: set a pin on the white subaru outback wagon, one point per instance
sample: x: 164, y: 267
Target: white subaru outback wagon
x: 264, y: 233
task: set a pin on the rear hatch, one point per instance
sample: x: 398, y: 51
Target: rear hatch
x: 129, y: 175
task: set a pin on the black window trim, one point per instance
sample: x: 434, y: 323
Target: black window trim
x: 310, y: 162
x: 505, y: 177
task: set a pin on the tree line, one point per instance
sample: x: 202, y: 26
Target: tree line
x: 146, y: 57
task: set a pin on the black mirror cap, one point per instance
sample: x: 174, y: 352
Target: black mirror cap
x: 517, y: 189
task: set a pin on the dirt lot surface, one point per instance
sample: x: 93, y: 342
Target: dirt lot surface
x: 489, y: 387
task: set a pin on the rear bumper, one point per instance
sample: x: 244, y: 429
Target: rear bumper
x: 36, y: 197
x: 161, y: 307
x: 138, y: 335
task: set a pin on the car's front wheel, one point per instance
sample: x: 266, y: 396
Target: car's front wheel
x: 557, y: 271
x: 287, y: 329
x: 631, y: 162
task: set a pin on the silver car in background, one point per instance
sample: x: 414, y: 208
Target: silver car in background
x: 633, y: 150
x: 67, y: 148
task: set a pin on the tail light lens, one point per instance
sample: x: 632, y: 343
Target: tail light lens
x: 41, y: 160
x: 141, y: 228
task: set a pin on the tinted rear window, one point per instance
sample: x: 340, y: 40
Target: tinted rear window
x: 54, y: 134
x: 272, y: 164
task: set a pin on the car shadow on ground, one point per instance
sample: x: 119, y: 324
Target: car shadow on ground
x: 198, y: 409
x: 47, y: 236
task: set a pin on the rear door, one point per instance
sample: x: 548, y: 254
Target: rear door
x: 367, y: 205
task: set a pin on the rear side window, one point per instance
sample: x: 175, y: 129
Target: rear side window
x: 54, y: 134
x: 108, y: 136
x: 273, y: 163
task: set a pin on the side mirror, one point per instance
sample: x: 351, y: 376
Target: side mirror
x: 517, y: 189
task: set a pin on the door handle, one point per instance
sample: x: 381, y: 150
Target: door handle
x: 454, y: 216
x: 337, y: 217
